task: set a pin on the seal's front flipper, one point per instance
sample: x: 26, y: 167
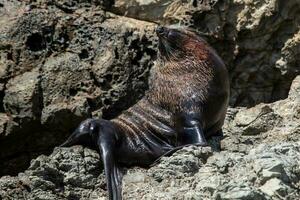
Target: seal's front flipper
x: 193, y: 134
x: 190, y: 130
x: 106, y: 143
x: 112, y: 173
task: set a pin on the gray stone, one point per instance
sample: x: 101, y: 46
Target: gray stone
x: 295, y: 88
x: 275, y: 188
x: 63, y: 175
x: 160, y: 10
x: 22, y: 96
x: 85, y: 61
x: 261, y: 37
x: 3, y: 123
x: 61, y: 62
x: 240, y: 193
x: 180, y: 166
x: 77, y: 173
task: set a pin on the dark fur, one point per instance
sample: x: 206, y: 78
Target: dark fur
x: 186, y: 103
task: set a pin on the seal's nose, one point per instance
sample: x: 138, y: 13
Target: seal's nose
x: 160, y: 30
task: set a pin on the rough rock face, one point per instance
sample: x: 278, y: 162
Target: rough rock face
x: 259, y: 159
x: 72, y: 173
x: 62, y: 61
x: 258, y: 39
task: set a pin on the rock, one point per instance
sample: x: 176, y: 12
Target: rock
x: 62, y: 78
x: 295, y: 89
x: 243, y: 192
x: 267, y: 171
x: 275, y: 188
x: 85, y: 59
x: 258, y: 40
x: 225, y: 175
x: 262, y: 61
x: 180, y: 166
x: 22, y: 102
x: 22, y: 97
x: 252, y: 121
x: 160, y: 10
x: 4, y: 119
x: 67, y: 173
x: 60, y: 63
x: 70, y: 6
x: 264, y: 123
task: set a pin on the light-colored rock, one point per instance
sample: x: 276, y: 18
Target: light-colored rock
x: 295, y: 89
x: 264, y: 123
x: 22, y: 95
x: 160, y: 10
x: 275, y: 188
x: 3, y: 123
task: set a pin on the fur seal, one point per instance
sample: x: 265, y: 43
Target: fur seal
x: 186, y: 103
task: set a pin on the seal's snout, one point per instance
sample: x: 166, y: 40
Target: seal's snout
x: 161, y: 31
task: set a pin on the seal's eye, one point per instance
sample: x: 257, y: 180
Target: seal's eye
x: 160, y: 30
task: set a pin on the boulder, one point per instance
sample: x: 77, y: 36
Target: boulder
x: 262, y: 165
x: 258, y: 40
x: 60, y: 63
x: 64, y: 61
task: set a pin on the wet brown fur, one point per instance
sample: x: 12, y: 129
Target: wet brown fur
x: 174, y: 82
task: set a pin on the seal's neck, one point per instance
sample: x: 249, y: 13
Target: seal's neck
x: 174, y: 83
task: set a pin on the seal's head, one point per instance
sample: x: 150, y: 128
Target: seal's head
x: 179, y: 44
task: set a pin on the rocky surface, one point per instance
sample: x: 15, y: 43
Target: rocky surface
x: 259, y: 159
x: 258, y: 39
x: 62, y: 61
